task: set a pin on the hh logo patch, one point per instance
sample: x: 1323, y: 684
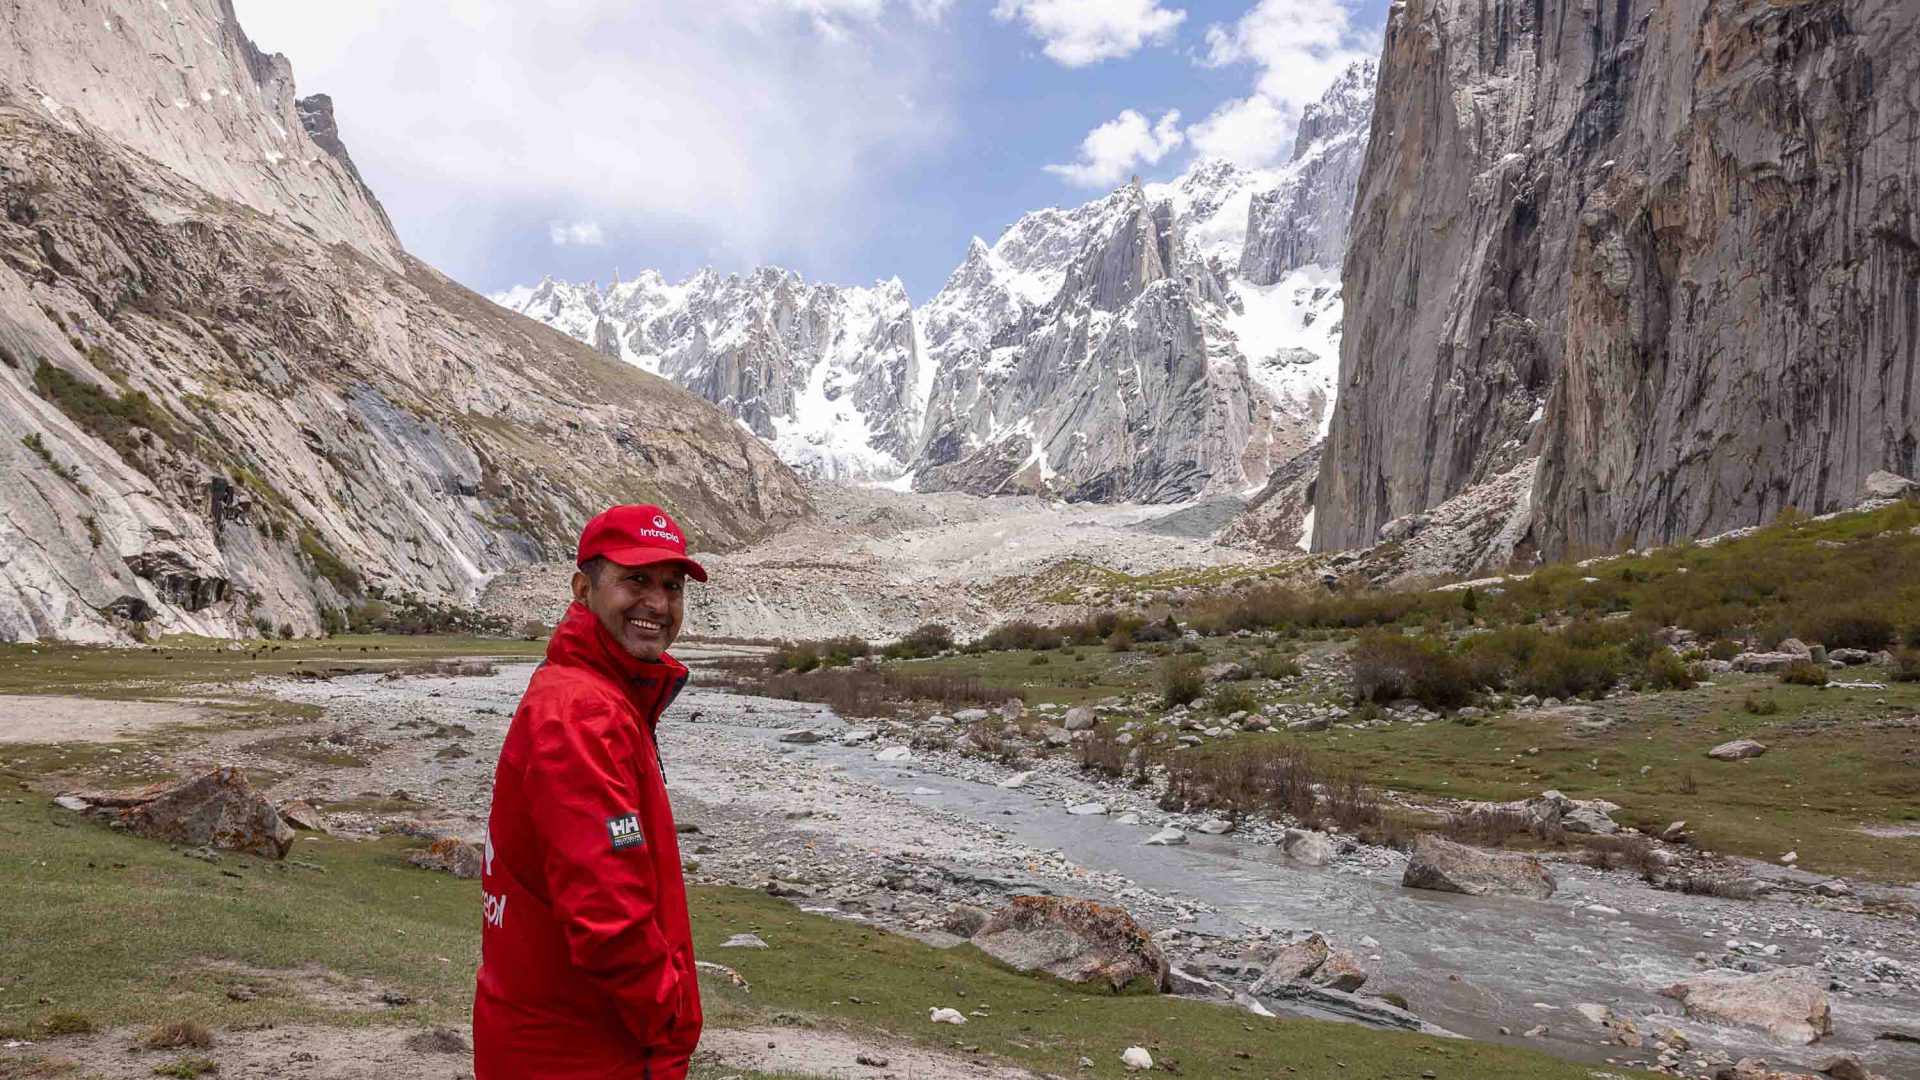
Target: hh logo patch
x: 625, y: 832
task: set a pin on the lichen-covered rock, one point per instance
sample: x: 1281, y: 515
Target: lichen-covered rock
x: 451, y: 855
x: 1445, y: 866
x: 1292, y: 963
x: 1584, y: 234
x: 215, y: 809
x: 1789, y: 1004
x: 1077, y: 940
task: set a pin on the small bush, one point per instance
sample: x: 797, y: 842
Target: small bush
x: 796, y: 658
x: 1180, y: 684
x: 328, y: 565
x: 841, y: 651
x: 1232, y: 699
x: 69, y: 1022
x: 1723, y: 649
x: 187, y: 1067
x: 1905, y: 666
x: 1760, y: 706
x: 179, y: 1035
x: 928, y: 639
x: 1276, y: 665
x: 1388, y: 666
x: 1802, y: 673
x: 1121, y: 641
x: 1666, y: 671
x: 1038, y: 660
x: 1018, y: 635
x: 1852, y: 630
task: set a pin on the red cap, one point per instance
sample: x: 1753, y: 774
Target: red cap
x: 637, y: 536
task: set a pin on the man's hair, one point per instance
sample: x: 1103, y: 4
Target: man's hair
x: 594, y: 566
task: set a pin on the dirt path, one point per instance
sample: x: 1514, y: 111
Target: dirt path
x: 47, y: 719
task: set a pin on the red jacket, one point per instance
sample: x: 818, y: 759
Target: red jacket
x: 586, y: 957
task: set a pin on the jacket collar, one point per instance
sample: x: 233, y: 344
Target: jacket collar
x: 580, y: 641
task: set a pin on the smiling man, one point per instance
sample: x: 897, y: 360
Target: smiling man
x: 586, y: 956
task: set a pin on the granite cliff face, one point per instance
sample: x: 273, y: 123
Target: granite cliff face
x: 1162, y: 342
x: 229, y: 399
x: 1667, y: 254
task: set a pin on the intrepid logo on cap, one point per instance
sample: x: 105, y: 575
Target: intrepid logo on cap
x: 637, y: 536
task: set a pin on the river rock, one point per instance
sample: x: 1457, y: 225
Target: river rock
x: 1308, y: 846
x: 1167, y: 837
x: 1017, y: 780
x: 1079, y: 718
x: 802, y: 736
x: 1587, y: 818
x: 1445, y: 866
x: 1790, y: 1003
x: 1216, y: 826
x: 1737, y: 750
x: 1077, y: 940
x: 216, y: 809
x: 1341, y: 972
x: 1292, y: 964
x: 894, y: 753
x: 1087, y: 809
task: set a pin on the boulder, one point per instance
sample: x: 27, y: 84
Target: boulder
x: 964, y: 921
x: 1017, y: 780
x: 1590, y: 819
x: 1077, y: 940
x: 1789, y: 1003
x: 1078, y: 718
x: 1341, y: 972
x: 302, y: 814
x: 1883, y: 486
x: 894, y: 753
x: 1087, y: 809
x: 1737, y: 750
x: 1167, y: 837
x: 1844, y: 1067
x: 1796, y: 648
x: 803, y: 736
x: 1765, y: 661
x: 1291, y: 964
x: 970, y: 716
x: 1851, y: 657
x: 1216, y: 826
x: 451, y: 855
x: 1308, y: 846
x: 215, y: 809
x: 1445, y: 866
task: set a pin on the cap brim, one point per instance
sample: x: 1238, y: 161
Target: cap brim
x: 647, y: 556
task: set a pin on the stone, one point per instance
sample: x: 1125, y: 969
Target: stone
x: 946, y: 1016
x: 1016, y: 781
x: 856, y: 736
x: 1796, y: 648
x: 1308, y: 846
x: 1737, y: 750
x: 72, y: 802
x: 744, y: 941
x: 1079, y: 718
x: 1167, y: 837
x: 1216, y: 826
x: 451, y: 855
x: 1674, y: 831
x: 1292, y: 963
x: 1136, y: 1058
x: 1340, y: 972
x: 708, y: 967
x: 894, y: 753
x: 1087, y: 809
x: 964, y: 921
x: 1882, y: 486
x: 1586, y: 818
x: 216, y: 809
x: 802, y: 736
x: 302, y: 814
x: 1851, y: 657
x: 1445, y: 866
x: 1844, y: 1067
x: 1078, y: 940
x: 1788, y: 1003
x: 970, y: 716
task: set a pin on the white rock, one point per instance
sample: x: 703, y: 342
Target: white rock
x: 1167, y: 837
x: 894, y: 753
x: 1136, y: 1057
x: 744, y: 941
x: 945, y: 1016
x: 1087, y: 809
x: 1017, y: 780
x: 1216, y: 827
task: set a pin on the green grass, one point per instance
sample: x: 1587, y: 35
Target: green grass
x: 177, y: 665
x: 164, y: 935
x: 1831, y: 766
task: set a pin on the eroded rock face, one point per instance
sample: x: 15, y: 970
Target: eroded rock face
x: 1667, y: 249
x: 228, y: 398
x: 1445, y: 866
x: 1789, y: 1004
x: 216, y: 809
x: 1072, y: 939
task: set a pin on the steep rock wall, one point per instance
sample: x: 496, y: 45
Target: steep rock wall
x: 1668, y: 248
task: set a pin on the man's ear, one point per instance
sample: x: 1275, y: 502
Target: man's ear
x: 580, y: 585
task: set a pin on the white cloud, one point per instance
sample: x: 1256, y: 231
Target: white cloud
x: 742, y: 128
x: 1300, y: 47
x: 582, y: 233
x: 1112, y: 151
x: 1082, y: 32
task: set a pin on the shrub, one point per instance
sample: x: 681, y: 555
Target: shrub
x: 117, y: 420
x: 1388, y: 666
x: 796, y: 658
x: 1233, y: 699
x: 1723, y: 649
x: 1180, y: 684
x: 841, y: 651
x: 1802, y: 673
x: 1855, y: 629
x: 67, y: 1021
x: 1666, y: 671
x: 1276, y: 665
x: 179, y: 1035
x: 327, y: 564
x: 1038, y: 660
x: 928, y: 639
x: 1021, y: 634
x: 1121, y: 641
x: 1905, y: 666
x: 187, y: 1067
x: 1760, y: 706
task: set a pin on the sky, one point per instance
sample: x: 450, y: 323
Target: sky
x: 850, y: 140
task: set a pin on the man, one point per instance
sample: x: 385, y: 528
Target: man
x: 586, y: 957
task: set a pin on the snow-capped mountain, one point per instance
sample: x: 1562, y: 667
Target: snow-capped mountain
x: 1162, y: 342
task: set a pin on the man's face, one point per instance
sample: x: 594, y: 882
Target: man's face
x: 640, y: 606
